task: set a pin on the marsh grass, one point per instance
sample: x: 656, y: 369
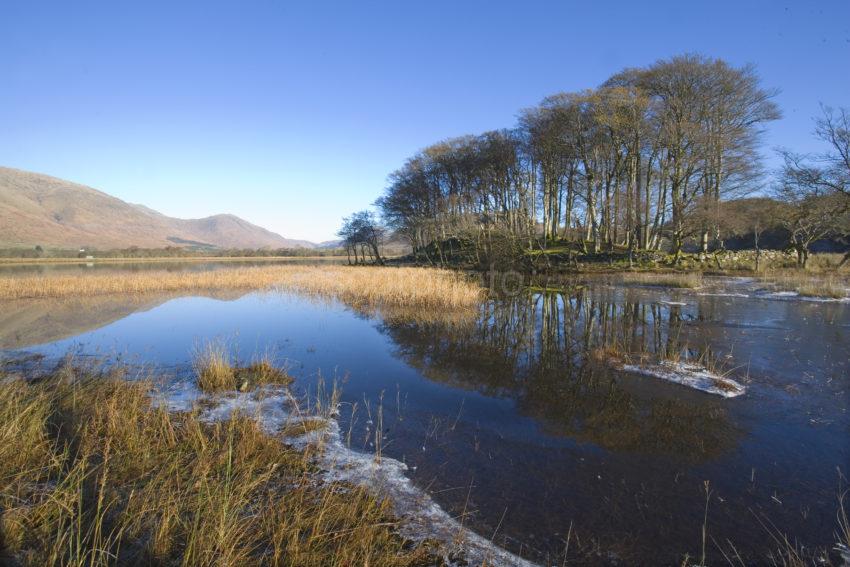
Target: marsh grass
x: 261, y: 372
x: 823, y: 289
x: 830, y: 288
x: 808, y: 284
x: 691, y: 280
x: 613, y: 353
x: 820, y: 278
x: 91, y: 473
x: 217, y: 370
x: 427, y: 288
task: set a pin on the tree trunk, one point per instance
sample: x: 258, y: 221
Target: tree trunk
x: 758, y: 250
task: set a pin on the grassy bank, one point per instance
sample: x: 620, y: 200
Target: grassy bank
x: 408, y: 287
x: 92, y: 474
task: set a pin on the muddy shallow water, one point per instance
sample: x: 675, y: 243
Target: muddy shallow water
x: 519, y: 424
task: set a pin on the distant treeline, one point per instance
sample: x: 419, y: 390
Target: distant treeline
x: 167, y: 252
x: 645, y: 161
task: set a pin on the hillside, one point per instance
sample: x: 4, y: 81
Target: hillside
x: 41, y: 210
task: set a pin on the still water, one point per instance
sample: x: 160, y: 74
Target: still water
x: 100, y: 266
x: 514, y: 422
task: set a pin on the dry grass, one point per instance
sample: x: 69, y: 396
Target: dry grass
x: 92, y: 474
x: 688, y: 280
x: 216, y: 370
x: 825, y: 262
x: 415, y: 287
x: 213, y: 367
x: 811, y: 285
x: 822, y: 289
x: 673, y: 353
x: 174, y: 259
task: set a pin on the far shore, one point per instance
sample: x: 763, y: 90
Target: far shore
x: 108, y: 260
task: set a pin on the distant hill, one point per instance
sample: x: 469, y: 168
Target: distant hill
x: 41, y: 210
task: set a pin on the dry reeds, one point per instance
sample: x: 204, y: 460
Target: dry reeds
x: 690, y: 280
x: 811, y: 285
x: 415, y: 287
x: 92, y: 474
x: 216, y: 370
x: 827, y: 290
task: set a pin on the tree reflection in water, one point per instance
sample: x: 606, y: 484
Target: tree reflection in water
x: 539, y: 347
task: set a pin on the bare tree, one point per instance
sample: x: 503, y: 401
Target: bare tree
x: 809, y: 215
x: 361, y: 230
x: 826, y: 173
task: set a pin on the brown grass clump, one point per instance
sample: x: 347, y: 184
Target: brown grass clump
x: 416, y: 287
x: 811, y: 285
x: 92, y: 474
x: 823, y: 289
x: 216, y: 370
x: 260, y: 373
x: 688, y: 280
x: 213, y: 367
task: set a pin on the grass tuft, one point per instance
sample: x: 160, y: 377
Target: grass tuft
x: 213, y: 367
x: 217, y: 372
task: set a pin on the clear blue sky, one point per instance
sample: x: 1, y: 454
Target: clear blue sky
x: 291, y: 115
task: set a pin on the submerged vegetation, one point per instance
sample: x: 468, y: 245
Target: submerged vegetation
x: 370, y: 286
x: 91, y: 473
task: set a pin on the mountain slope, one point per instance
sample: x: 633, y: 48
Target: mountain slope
x: 39, y: 209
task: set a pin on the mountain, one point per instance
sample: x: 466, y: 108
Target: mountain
x: 41, y: 210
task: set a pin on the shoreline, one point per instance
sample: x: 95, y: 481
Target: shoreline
x: 310, y: 465
x: 108, y: 260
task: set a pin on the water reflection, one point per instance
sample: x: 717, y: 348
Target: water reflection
x: 29, y: 322
x: 538, y: 349
x: 515, y: 413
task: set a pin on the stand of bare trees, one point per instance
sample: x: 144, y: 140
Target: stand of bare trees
x: 815, y: 189
x: 640, y: 162
x: 362, y: 236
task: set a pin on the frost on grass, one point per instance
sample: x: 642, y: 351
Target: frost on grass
x: 690, y: 375
x: 797, y: 296
x: 422, y: 518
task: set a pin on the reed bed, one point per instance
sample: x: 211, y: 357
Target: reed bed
x: 690, y: 280
x: 811, y: 285
x: 415, y: 287
x: 174, y: 259
x: 91, y: 473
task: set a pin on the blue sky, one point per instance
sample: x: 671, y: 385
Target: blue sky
x: 291, y: 115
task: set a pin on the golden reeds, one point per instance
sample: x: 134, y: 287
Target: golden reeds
x: 811, y: 285
x: 91, y: 473
x: 416, y: 287
x: 216, y: 370
x: 689, y: 280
